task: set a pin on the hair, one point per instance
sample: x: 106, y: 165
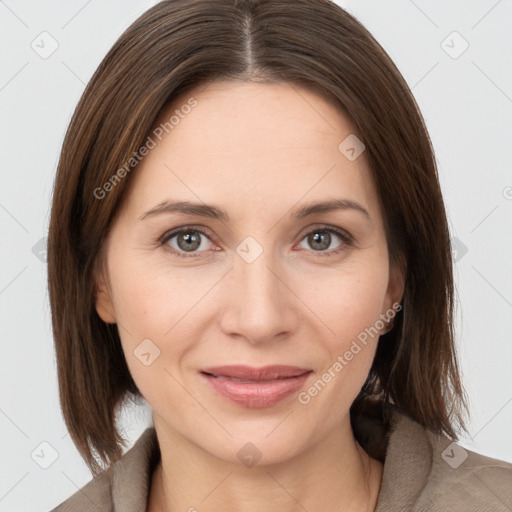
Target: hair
x: 170, y: 50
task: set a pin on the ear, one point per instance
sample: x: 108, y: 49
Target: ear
x: 395, y: 290
x: 104, y: 304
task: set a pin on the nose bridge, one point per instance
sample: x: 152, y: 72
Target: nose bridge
x: 256, y: 278
x: 257, y: 306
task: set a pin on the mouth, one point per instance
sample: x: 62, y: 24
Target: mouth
x: 255, y: 387
x: 250, y: 374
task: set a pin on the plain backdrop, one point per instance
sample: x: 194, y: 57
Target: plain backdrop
x: 455, y: 55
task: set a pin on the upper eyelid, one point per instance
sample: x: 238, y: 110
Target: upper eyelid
x: 340, y: 232
x: 171, y: 233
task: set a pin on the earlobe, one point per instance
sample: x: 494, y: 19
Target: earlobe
x: 104, y: 305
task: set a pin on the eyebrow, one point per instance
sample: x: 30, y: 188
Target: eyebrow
x: 213, y: 212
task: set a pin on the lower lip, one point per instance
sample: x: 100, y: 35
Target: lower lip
x: 256, y: 394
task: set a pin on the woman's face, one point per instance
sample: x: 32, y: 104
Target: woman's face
x: 261, y: 284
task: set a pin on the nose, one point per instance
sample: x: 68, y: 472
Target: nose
x: 257, y: 304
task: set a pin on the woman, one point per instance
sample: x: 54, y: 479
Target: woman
x: 248, y: 232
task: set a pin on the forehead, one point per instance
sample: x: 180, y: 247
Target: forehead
x: 253, y: 144
x: 265, y: 115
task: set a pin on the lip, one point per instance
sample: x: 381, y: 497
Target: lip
x: 276, y: 371
x: 255, y: 387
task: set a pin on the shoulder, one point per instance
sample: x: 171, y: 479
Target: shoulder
x: 122, y: 486
x: 465, y: 480
x: 96, y: 494
x: 427, y: 472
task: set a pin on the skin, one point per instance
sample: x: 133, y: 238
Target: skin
x: 257, y: 151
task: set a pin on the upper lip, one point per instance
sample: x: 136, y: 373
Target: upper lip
x: 276, y: 371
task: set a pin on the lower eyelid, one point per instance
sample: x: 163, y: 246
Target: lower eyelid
x: 345, y: 238
x: 166, y: 238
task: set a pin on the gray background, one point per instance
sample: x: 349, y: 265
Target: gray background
x: 466, y: 99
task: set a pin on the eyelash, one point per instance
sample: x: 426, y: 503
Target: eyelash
x: 343, y: 235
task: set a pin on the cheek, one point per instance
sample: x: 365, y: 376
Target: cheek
x: 150, y: 299
x: 139, y: 303
x: 156, y: 308
x: 349, y: 303
x: 349, y: 299
x: 351, y: 309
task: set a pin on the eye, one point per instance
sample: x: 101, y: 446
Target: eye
x: 187, y: 241
x: 320, y: 240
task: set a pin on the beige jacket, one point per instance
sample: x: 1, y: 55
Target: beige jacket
x: 423, y: 472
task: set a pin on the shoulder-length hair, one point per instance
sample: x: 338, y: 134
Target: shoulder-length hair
x: 171, y: 49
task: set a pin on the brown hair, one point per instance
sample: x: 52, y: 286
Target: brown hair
x: 171, y: 49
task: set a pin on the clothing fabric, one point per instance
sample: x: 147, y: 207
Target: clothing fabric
x: 423, y: 472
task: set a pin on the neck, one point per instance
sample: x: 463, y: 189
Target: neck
x: 335, y: 474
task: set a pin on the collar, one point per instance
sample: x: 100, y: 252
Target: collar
x: 407, y: 464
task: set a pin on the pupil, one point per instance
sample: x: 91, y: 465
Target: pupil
x: 193, y: 241
x: 317, y: 239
